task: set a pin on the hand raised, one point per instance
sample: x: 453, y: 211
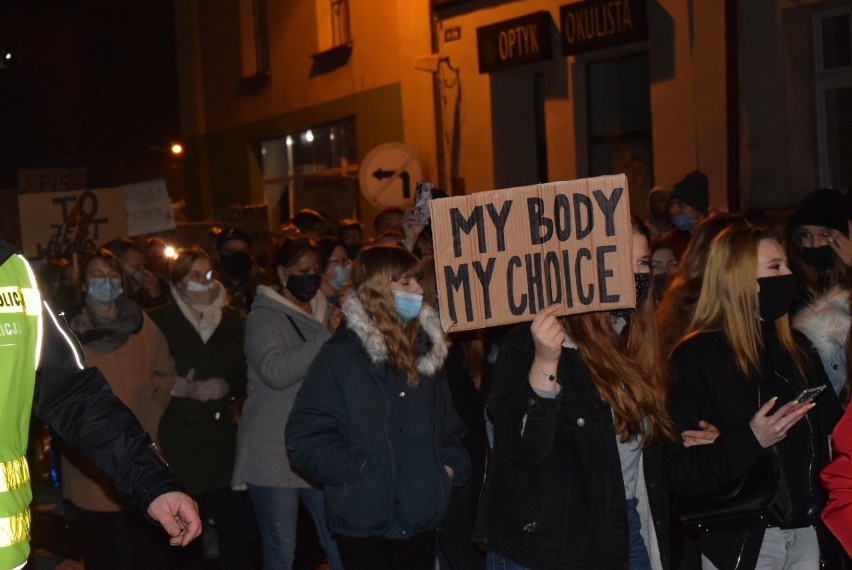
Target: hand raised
x: 842, y: 245
x: 548, y: 335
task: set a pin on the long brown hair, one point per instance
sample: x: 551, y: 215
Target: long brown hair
x: 729, y: 301
x: 626, y: 368
x: 374, y: 269
x: 674, y: 314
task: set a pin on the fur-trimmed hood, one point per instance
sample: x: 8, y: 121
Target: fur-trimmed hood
x: 360, y: 323
x: 826, y: 322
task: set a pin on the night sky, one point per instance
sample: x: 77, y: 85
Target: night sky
x: 91, y: 84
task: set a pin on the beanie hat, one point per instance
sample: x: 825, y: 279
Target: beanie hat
x: 228, y: 234
x: 692, y: 190
x: 825, y: 208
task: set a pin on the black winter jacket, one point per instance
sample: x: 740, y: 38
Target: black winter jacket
x: 378, y: 445
x: 554, y: 494
x: 78, y: 403
x: 709, y: 386
x: 200, y: 438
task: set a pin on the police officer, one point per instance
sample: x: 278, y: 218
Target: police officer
x: 43, y: 370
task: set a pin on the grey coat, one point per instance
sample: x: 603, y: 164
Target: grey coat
x: 278, y: 358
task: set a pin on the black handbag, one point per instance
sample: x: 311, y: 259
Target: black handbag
x: 756, y: 499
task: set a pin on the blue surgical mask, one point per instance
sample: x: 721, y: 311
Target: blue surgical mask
x: 407, y: 305
x: 341, y: 274
x: 684, y: 222
x: 104, y: 290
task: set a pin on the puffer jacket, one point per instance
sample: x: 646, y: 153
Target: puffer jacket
x: 378, y: 445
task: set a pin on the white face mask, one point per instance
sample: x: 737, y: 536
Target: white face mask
x: 196, y: 287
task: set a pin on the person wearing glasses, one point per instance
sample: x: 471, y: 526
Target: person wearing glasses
x: 198, y: 431
x: 335, y: 260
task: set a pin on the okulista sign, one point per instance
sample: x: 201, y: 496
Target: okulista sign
x: 599, y: 24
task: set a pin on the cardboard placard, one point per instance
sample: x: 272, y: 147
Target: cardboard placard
x: 63, y: 223
x: 148, y: 208
x: 51, y: 179
x: 501, y: 256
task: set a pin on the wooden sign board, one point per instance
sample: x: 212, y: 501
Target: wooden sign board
x: 503, y: 255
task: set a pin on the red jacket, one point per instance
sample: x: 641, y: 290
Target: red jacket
x: 837, y: 481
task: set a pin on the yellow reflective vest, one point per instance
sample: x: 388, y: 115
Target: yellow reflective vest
x: 20, y: 348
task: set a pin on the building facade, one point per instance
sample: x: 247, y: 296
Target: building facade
x: 493, y: 94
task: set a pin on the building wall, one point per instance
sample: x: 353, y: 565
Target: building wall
x: 687, y: 93
x: 483, y: 120
x: 378, y: 85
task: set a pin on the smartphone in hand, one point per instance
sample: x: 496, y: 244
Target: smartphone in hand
x: 805, y: 397
x: 422, y: 195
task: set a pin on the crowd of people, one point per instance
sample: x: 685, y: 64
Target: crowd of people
x: 318, y: 373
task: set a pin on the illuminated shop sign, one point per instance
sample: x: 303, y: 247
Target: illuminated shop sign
x: 514, y: 42
x: 597, y: 24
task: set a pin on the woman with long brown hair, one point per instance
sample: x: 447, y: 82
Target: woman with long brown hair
x: 741, y: 368
x: 373, y: 422
x: 677, y: 305
x: 579, y: 411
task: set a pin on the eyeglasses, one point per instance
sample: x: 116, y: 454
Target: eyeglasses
x: 206, y: 276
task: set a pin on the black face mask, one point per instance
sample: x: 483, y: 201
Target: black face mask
x: 775, y: 296
x: 642, y: 284
x: 820, y: 258
x: 303, y: 287
x: 236, y: 265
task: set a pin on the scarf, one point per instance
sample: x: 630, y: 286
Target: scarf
x: 204, y: 318
x: 103, y: 336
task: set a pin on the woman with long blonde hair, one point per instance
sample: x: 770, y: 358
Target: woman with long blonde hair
x: 374, y: 422
x: 741, y: 368
x: 579, y: 411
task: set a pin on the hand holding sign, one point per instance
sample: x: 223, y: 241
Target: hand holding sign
x: 503, y: 256
x: 548, y: 336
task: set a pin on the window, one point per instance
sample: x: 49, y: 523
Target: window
x: 619, y: 121
x: 833, y: 37
x: 308, y: 169
x: 339, y: 22
x: 332, y: 24
x: 255, y: 38
x: 316, y: 149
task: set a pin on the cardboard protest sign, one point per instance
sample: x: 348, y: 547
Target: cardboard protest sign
x: 501, y: 256
x: 149, y: 209
x: 63, y: 223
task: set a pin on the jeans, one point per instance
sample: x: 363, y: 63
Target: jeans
x: 277, y: 509
x: 497, y: 562
x: 639, y: 559
x: 789, y: 549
